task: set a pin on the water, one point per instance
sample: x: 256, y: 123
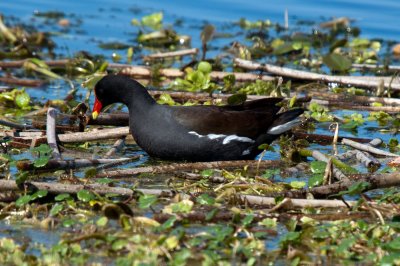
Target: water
x: 106, y: 21
x: 95, y: 22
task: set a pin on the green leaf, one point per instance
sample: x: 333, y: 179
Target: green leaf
x: 119, y: 244
x: 153, y: 21
x: 229, y: 81
x: 284, y: 48
x: 62, y: 197
x: 269, y: 222
x: 270, y: 173
x: 205, y: 199
x: 297, y: 184
x: 145, y: 201
x: 318, y: 167
x: 394, y: 244
x: 184, y: 206
x: 39, y: 194
x: 21, y: 201
x: 248, y: 219
x: 337, y: 62
x: 56, y: 209
x: 40, y: 162
x: 207, y: 172
x: 42, y: 149
x: 165, y: 99
x: 315, y: 180
x: 22, y: 99
x: 85, y: 195
x: 237, y: 99
x: 204, y: 67
x: 21, y: 177
x: 168, y: 223
x: 104, y: 181
x: 69, y: 222
x: 90, y: 172
x: 102, y: 221
x: 355, y: 189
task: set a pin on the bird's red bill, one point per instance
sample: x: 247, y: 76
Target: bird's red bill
x: 96, y: 108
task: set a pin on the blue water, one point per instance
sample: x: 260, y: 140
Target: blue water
x: 106, y: 21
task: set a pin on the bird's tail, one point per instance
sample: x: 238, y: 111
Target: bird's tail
x: 285, y: 121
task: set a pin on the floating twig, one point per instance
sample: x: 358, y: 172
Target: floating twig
x: 368, y: 148
x: 317, y: 155
x: 14, y: 125
x: 391, y: 68
x: 362, y: 81
x: 179, y: 53
x: 116, y: 147
x: 175, y: 167
x: 21, y: 82
x: 66, y: 164
x: 363, y: 157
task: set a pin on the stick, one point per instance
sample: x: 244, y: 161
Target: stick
x: 180, y: 53
x: 146, y: 72
x: 116, y: 147
x: 51, y: 133
x: 317, y: 155
x: 66, y: 164
x: 298, y: 203
x: 368, y: 148
x: 364, y: 81
x: 21, y: 82
x: 174, y: 167
x: 323, y: 139
x: 375, y: 180
x: 363, y: 157
x: 14, y: 125
x: 374, y: 67
x: 353, y: 98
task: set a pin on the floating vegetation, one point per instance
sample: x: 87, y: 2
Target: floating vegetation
x: 327, y: 193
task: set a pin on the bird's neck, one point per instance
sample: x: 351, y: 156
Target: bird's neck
x: 135, y: 96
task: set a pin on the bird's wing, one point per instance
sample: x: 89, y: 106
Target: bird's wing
x: 248, y: 120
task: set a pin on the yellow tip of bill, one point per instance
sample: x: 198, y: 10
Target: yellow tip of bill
x: 95, y: 115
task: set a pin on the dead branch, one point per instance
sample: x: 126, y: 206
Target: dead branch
x: 14, y: 125
x: 176, y: 167
x: 116, y: 147
x: 323, y: 139
x: 338, y: 174
x: 146, y: 72
x: 66, y: 164
x: 296, y: 203
x: 179, y: 53
x: 353, y: 98
x: 21, y: 82
x: 362, y: 81
x: 368, y: 148
x: 363, y: 157
x: 51, y: 133
x: 375, y: 180
x: 391, y: 68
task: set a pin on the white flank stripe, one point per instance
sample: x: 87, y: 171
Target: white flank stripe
x: 237, y: 138
x: 227, y: 139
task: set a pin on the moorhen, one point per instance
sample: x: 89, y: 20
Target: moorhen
x: 195, y: 133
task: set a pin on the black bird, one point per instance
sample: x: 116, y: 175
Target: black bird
x: 195, y: 133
